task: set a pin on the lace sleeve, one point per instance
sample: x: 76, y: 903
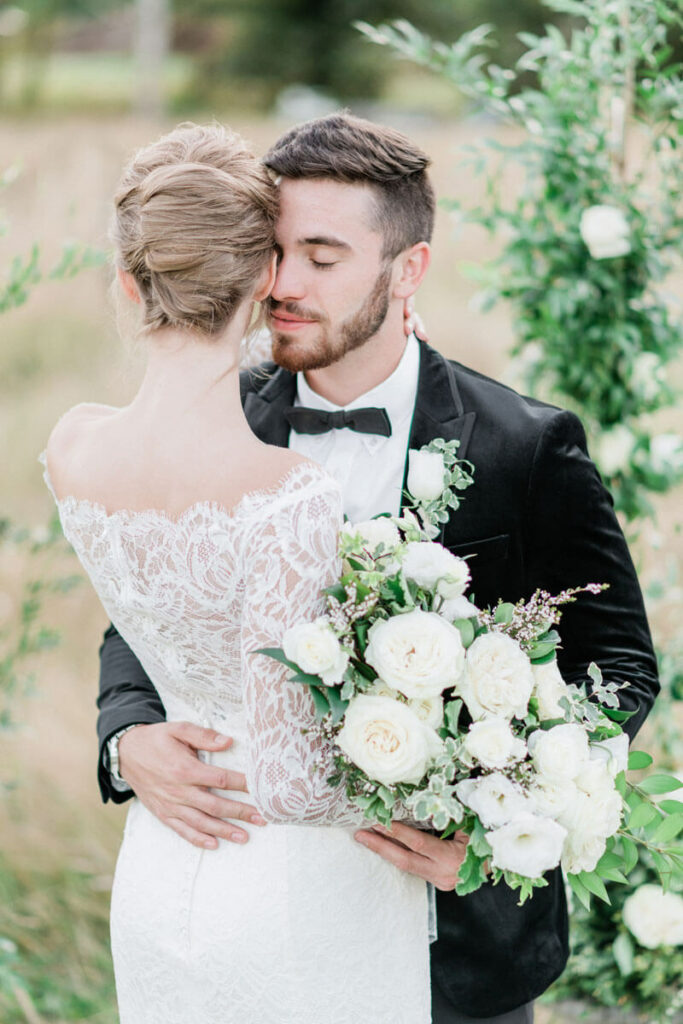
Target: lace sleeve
x: 289, y: 559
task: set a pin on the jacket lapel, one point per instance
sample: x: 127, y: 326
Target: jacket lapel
x: 439, y: 411
x: 264, y: 409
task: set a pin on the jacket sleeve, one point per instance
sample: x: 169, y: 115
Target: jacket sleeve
x: 573, y: 538
x: 127, y: 697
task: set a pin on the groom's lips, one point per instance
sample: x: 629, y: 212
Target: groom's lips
x: 286, y: 322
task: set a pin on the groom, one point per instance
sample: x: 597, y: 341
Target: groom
x: 353, y: 237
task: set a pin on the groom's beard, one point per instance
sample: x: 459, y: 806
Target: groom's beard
x: 328, y: 345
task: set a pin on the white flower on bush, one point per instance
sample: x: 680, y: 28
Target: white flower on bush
x: 582, y: 851
x: 666, y: 453
x: 457, y: 608
x: 497, y: 682
x: 426, y: 475
x: 314, y: 647
x: 615, y: 448
x: 387, y: 740
x: 549, y: 688
x: 613, y: 751
x: 491, y: 742
x: 559, y: 753
x: 528, y: 845
x: 605, y: 231
x: 494, y: 798
x: 648, y: 375
x: 418, y: 653
x: 654, y: 917
x: 434, y: 567
x: 374, y: 532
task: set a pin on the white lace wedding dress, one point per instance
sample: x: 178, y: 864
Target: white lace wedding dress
x: 301, y: 925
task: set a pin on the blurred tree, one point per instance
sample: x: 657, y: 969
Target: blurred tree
x: 152, y: 45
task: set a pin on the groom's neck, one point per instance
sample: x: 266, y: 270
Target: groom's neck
x: 360, y: 370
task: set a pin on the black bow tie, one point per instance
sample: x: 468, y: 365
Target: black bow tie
x: 319, y: 421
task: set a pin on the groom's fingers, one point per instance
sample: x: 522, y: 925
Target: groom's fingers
x: 419, y: 853
x: 198, y: 737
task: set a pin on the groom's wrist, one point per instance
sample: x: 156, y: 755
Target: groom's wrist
x: 111, y: 758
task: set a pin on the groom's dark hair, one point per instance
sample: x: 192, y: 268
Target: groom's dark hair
x: 352, y: 150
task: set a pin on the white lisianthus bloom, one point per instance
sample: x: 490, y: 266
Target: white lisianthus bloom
x: 602, y: 810
x: 528, y: 845
x: 374, y: 532
x: 493, y: 798
x: 418, y: 653
x: 432, y: 566
x: 491, y: 742
x: 605, y: 231
x: 614, y: 751
x: 552, y: 798
x: 429, y: 710
x: 426, y: 475
x: 457, y: 608
x: 497, y: 682
x: 314, y: 647
x: 614, y: 449
x: 647, y: 375
x: 654, y: 917
x: 387, y: 740
x: 549, y: 688
x: 559, y: 753
x: 582, y: 851
x: 666, y: 453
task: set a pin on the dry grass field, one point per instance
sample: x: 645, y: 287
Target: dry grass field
x: 62, y: 347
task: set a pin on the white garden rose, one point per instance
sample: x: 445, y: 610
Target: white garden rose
x: 614, y: 450
x: 613, y: 751
x: 434, y: 567
x: 654, y: 917
x: 314, y: 647
x: 559, y: 753
x: 528, y: 845
x: 605, y: 231
x: 374, y: 532
x: 457, y: 608
x: 429, y: 710
x: 549, y: 688
x: 491, y: 742
x: 426, y: 475
x: 494, y: 798
x: 582, y: 851
x: 497, y: 682
x: 418, y: 653
x: 387, y: 740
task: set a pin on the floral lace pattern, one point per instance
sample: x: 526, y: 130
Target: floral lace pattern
x: 302, y: 924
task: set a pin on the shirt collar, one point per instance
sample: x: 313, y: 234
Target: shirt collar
x: 396, y: 394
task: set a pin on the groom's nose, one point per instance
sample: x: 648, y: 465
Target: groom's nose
x: 289, y: 281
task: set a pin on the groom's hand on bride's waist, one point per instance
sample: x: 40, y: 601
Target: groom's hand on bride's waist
x: 419, y: 853
x: 161, y: 765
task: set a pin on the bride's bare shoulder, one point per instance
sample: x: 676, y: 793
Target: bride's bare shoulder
x: 65, y: 443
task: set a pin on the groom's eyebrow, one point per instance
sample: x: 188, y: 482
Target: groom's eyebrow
x: 329, y: 241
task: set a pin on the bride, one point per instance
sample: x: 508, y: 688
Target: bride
x: 203, y: 545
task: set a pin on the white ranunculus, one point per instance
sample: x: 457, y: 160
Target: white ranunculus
x: 497, y: 682
x: 434, y: 567
x: 666, y: 453
x: 529, y: 845
x: 429, y: 710
x: 605, y: 231
x: 387, y: 740
x: 647, y: 375
x: 491, y: 742
x: 314, y: 647
x: 426, y: 475
x: 552, y: 798
x: 654, y: 917
x: 494, y: 798
x: 559, y: 753
x: 418, y: 653
x: 615, y: 448
x: 549, y: 688
x: 582, y: 851
x: 457, y: 608
x: 374, y: 532
x: 614, y: 751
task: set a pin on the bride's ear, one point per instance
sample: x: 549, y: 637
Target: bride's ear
x: 127, y: 282
x: 266, y: 284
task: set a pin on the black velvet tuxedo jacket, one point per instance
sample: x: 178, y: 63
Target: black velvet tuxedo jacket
x: 536, y: 516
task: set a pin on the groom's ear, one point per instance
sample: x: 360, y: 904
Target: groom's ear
x: 410, y: 267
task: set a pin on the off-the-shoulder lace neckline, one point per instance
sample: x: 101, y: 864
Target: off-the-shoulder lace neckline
x: 251, y: 497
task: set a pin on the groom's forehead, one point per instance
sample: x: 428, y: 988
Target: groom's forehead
x: 318, y: 207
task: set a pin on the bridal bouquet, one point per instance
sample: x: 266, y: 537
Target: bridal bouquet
x: 459, y: 717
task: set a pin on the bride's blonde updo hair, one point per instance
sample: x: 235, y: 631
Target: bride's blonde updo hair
x: 194, y: 224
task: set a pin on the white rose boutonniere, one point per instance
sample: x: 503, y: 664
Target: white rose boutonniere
x: 497, y: 682
x: 418, y: 653
x: 387, y: 740
x: 426, y: 475
x: 314, y: 647
x: 605, y: 231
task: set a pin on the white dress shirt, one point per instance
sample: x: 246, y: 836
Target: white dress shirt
x: 368, y: 468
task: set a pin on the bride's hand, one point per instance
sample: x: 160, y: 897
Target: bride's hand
x: 419, y: 853
x: 160, y: 764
